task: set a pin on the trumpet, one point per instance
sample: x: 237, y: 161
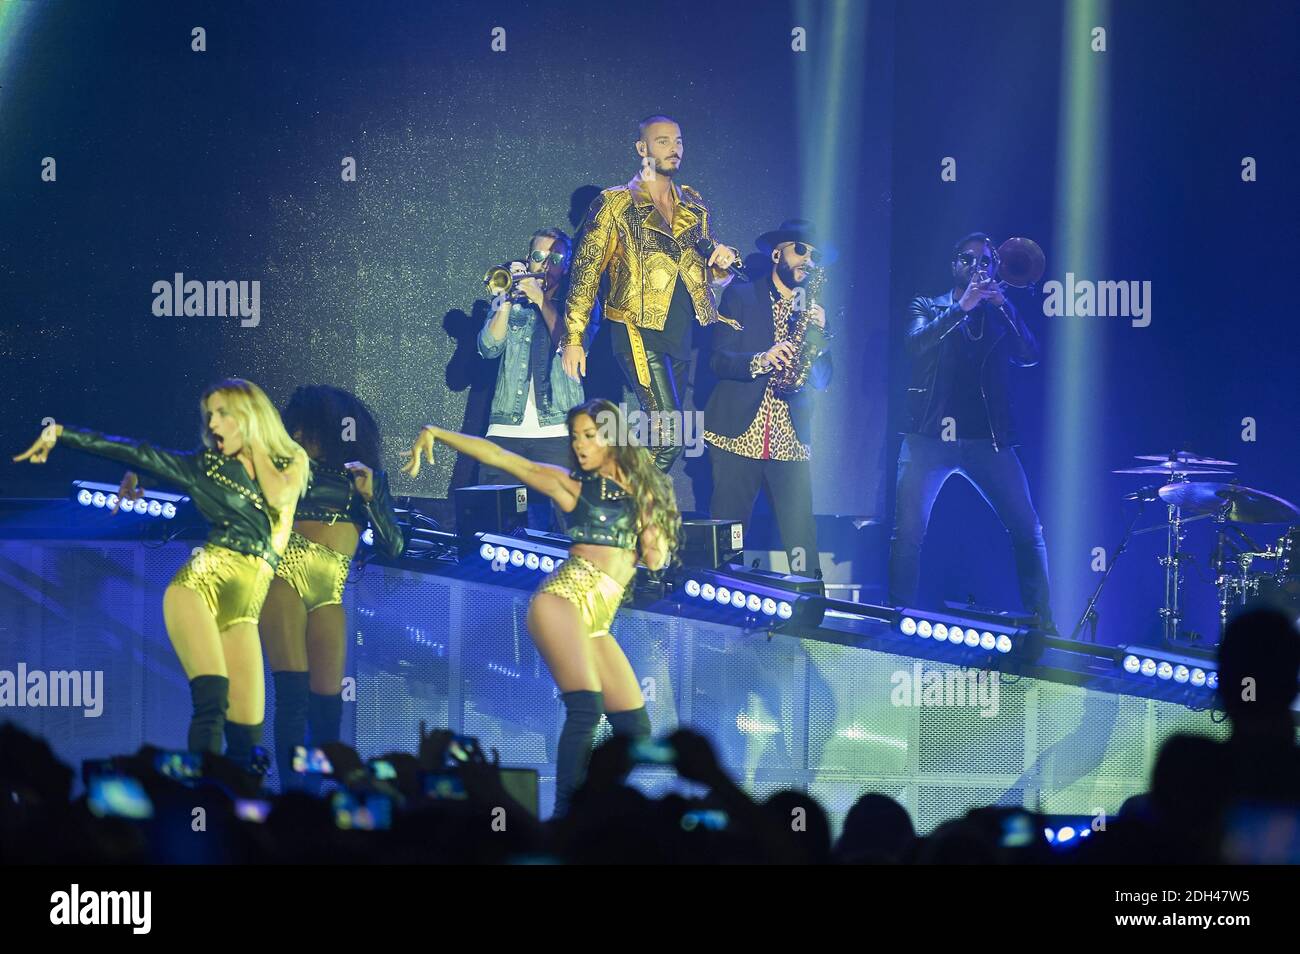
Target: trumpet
x: 1018, y: 262
x: 503, y: 280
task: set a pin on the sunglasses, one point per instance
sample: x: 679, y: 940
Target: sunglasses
x: 802, y: 248
x: 538, y: 256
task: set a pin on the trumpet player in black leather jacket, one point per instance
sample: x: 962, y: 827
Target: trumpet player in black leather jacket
x: 246, y: 483
x: 621, y: 508
x: 303, y: 622
x: 963, y: 344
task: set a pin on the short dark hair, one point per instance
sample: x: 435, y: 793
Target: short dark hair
x: 558, y: 234
x: 651, y: 120
x: 973, y: 237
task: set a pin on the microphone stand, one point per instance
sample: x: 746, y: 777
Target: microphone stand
x: 1089, y: 617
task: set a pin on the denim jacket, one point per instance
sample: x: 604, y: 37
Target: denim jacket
x: 512, y: 377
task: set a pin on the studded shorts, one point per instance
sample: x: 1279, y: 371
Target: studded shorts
x: 316, y: 573
x: 595, y: 593
x: 233, y: 585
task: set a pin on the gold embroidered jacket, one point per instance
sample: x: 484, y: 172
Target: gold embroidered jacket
x: 625, y: 235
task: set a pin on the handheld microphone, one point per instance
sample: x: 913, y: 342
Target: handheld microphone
x: 706, y: 246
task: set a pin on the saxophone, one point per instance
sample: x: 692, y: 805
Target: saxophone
x: 808, y: 338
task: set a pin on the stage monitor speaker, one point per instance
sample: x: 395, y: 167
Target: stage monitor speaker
x: 490, y: 508
x: 711, y: 543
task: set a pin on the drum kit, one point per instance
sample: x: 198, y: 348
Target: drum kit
x: 1235, y: 556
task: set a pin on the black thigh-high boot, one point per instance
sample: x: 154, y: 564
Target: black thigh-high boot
x: 632, y: 723
x: 324, y: 715
x: 210, y: 696
x: 241, y: 737
x: 582, y: 710
x: 290, y: 722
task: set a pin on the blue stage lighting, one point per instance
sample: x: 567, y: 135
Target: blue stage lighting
x: 769, y: 606
x: 908, y: 626
x: 84, y: 497
x: 547, y: 564
x: 692, y: 588
x: 1132, y: 664
x: 924, y: 629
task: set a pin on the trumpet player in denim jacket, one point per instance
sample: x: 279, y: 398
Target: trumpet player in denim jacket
x: 533, y: 394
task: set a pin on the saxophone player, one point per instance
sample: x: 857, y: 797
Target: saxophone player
x: 758, y: 434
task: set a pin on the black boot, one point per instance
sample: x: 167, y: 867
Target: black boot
x: 324, y: 715
x: 210, y: 696
x: 240, y: 739
x: 632, y: 723
x: 290, y: 723
x: 582, y: 715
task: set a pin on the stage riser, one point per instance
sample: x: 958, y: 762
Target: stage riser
x: 782, y: 712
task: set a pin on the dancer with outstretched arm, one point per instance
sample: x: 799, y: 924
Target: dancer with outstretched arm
x: 246, y: 483
x: 620, y: 507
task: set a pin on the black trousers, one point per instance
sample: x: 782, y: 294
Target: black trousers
x: 542, y: 512
x: 736, y: 482
x: 667, y: 381
x: 924, y: 464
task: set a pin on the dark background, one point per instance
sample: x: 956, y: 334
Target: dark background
x: 225, y: 165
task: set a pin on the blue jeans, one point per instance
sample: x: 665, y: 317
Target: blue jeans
x: 924, y: 464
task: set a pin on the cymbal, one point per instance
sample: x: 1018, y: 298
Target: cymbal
x: 1245, y: 504
x: 1187, y: 457
x: 1169, y: 467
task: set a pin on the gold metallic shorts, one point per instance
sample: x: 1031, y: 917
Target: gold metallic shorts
x: 233, y: 585
x: 316, y: 573
x: 595, y: 593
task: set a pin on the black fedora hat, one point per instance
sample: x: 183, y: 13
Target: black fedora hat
x: 796, y: 230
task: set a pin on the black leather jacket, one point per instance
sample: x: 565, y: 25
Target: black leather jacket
x: 933, y: 327
x: 237, y: 513
x: 605, y: 514
x: 332, y: 496
x: 734, y: 403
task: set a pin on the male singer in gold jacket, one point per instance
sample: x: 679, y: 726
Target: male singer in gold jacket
x: 646, y: 236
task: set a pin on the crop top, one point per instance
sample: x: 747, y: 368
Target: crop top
x: 333, y: 496
x: 605, y: 514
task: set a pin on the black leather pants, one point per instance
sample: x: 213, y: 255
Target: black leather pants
x: 667, y: 379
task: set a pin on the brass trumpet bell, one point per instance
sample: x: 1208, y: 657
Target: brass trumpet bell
x: 1021, y: 262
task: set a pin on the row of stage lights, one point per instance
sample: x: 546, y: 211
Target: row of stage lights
x: 503, y: 556
x: 738, y: 599
x: 972, y: 637
x: 1170, y: 671
x: 143, y: 506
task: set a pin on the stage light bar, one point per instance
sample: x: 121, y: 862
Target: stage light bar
x: 965, y: 633
x: 510, y: 554
x: 1158, y: 666
x: 749, y: 600
x: 154, y: 503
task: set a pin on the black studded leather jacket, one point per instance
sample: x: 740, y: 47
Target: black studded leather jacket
x: 333, y: 496
x: 232, y: 503
x: 605, y: 514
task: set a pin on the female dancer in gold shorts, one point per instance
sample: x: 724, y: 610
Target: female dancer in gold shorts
x: 246, y: 484
x: 619, y: 506
x: 303, y: 622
